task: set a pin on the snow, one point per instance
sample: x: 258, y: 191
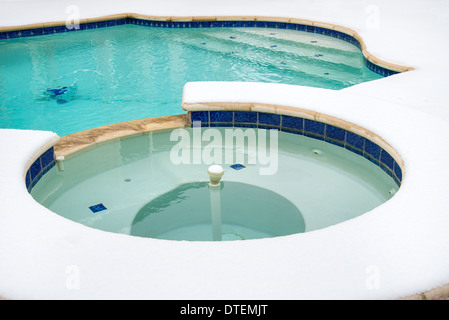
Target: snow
x: 398, y: 249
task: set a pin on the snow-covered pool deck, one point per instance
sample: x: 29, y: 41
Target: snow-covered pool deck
x: 397, y: 250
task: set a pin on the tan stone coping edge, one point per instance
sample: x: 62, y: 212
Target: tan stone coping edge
x: 71, y: 144
x: 299, y: 113
x: 330, y: 26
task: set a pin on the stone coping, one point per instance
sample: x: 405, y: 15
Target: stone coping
x: 80, y: 141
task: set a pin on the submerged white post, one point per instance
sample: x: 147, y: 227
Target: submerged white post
x: 215, y: 173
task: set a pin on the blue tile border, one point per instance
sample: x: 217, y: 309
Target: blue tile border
x: 200, y: 24
x: 39, y: 168
x: 310, y: 128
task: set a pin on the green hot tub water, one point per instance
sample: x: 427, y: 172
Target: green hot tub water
x: 142, y: 192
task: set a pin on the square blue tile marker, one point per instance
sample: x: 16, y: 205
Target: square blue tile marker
x: 97, y: 208
x: 238, y: 166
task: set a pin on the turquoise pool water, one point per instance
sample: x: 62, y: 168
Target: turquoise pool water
x: 75, y: 81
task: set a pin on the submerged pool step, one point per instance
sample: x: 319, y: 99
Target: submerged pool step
x: 309, y: 54
x: 315, y: 64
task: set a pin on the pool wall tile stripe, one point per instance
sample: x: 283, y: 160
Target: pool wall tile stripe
x: 39, y: 168
x: 206, y: 22
x: 310, y: 128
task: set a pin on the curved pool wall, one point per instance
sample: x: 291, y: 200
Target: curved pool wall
x: 376, y: 65
x: 328, y: 129
x: 138, y: 172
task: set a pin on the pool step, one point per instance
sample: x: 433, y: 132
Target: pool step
x: 315, y: 67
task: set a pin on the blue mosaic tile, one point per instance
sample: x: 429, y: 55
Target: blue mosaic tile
x: 202, y: 116
x: 13, y: 34
x: 335, y: 133
x: 110, y: 23
x: 221, y: 116
x: 237, y: 166
x: 25, y: 33
x: 355, y: 141
x: 245, y: 117
x: 372, y: 149
x: 102, y: 24
x: 282, y: 25
x: 310, y: 28
x: 97, y: 208
x: 35, y: 169
x: 319, y: 30
x: 3, y: 35
x: 270, y: 119
x: 387, y: 159
x: 292, y: 122
x: 37, y: 32
x: 398, y: 171
x: 49, y: 30
x: 28, y: 180
x: 47, y: 158
x: 314, y: 127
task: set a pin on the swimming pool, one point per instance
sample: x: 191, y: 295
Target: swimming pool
x: 71, y: 82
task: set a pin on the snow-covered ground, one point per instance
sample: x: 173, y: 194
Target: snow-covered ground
x: 396, y: 250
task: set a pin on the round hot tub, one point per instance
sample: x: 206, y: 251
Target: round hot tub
x: 276, y: 181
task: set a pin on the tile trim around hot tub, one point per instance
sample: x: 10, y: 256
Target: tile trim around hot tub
x: 39, y: 168
x: 380, y: 67
x: 297, y: 125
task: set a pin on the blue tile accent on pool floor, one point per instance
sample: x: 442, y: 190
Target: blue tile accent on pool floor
x: 238, y: 166
x: 197, y: 24
x: 98, y: 208
x: 310, y: 128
